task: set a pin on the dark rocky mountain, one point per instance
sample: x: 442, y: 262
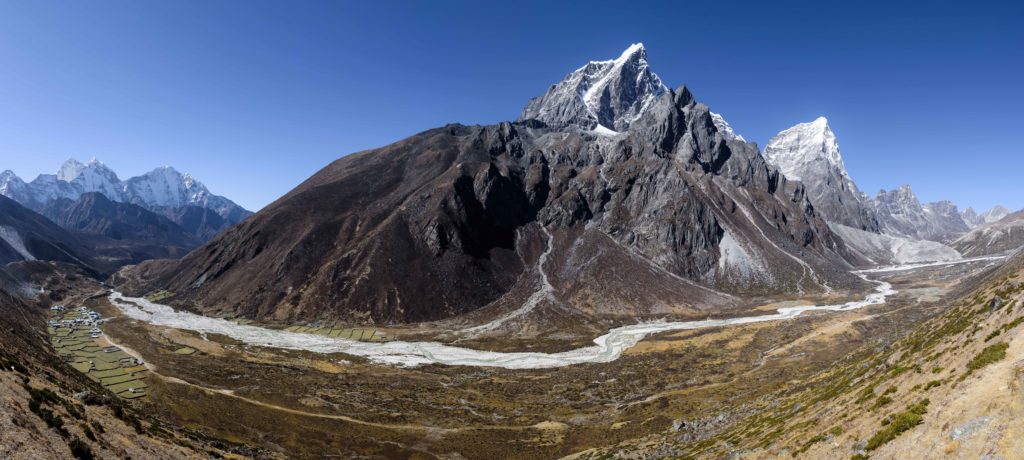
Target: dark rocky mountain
x: 664, y: 219
x: 900, y: 213
x: 200, y: 222
x: 27, y: 236
x: 119, y: 234
x: 1006, y: 234
x: 94, y: 213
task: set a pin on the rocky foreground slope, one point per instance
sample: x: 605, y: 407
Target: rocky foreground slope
x: 652, y: 220
x: 53, y: 411
x: 949, y: 388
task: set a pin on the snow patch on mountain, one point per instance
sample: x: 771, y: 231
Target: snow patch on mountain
x: 724, y: 128
x: 806, y: 148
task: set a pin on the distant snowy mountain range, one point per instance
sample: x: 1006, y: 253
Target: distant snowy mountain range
x: 163, y: 190
x: 809, y: 152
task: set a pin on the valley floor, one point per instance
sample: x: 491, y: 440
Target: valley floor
x: 691, y: 383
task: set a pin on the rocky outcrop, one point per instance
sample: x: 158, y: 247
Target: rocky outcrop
x: 901, y: 214
x: 28, y: 236
x: 1004, y: 235
x: 973, y: 219
x: 120, y: 234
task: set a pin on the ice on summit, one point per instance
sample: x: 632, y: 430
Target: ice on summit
x: 724, y: 128
x: 612, y: 94
x: 796, y: 150
x: 809, y: 152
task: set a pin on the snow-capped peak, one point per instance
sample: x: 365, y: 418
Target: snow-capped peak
x: 997, y: 213
x: 70, y: 170
x: 611, y: 93
x: 809, y: 152
x: 159, y: 188
x: 724, y: 128
x: 794, y: 150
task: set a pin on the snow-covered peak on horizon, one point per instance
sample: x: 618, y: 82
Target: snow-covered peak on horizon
x: 163, y: 187
x: 11, y: 185
x: 70, y: 170
x: 974, y: 219
x: 611, y: 93
x: 725, y: 128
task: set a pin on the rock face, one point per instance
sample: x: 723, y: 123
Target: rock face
x: 809, y: 152
x: 1006, y: 234
x: 901, y: 214
x: 973, y: 219
x: 653, y: 221
x: 203, y: 223
x: 163, y: 190
x: 612, y: 94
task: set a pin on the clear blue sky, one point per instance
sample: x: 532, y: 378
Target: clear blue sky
x: 252, y: 97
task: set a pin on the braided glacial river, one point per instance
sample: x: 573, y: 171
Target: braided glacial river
x: 606, y: 348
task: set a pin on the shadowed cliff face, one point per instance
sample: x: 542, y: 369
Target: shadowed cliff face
x: 448, y: 221
x: 27, y: 236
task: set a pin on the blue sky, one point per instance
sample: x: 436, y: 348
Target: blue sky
x: 253, y: 97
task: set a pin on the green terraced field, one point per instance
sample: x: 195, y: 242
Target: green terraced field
x: 159, y: 295
x: 363, y: 334
x: 110, y: 366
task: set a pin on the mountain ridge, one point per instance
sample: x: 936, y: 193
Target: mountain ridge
x: 163, y: 190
